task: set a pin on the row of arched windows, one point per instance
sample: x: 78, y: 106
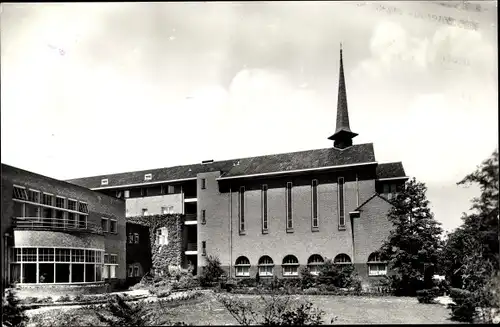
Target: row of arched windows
x: 290, y: 265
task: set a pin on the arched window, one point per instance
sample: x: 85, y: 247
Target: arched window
x: 266, y: 266
x: 242, y: 266
x: 376, y: 266
x: 314, y: 263
x: 290, y: 266
x: 342, y: 259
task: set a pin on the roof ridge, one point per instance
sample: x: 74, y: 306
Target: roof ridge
x: 215, y: 162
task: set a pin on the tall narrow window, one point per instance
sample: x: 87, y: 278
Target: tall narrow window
x: 289, y: 218
x: 203, y: 217
x: 314, y: 201
x: 341, y: 202
x: 204, y: 248
x: 203, y: 183
x: 242, y: 208
x: 264, y: 209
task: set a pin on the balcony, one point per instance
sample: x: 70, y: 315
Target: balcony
x: 191, y: 219
x: 191, y: 249
x: 55, y: 224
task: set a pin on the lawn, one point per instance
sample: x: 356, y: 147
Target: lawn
x: 206, y: 310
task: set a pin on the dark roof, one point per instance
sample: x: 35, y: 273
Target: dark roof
x: 360, y: 153
x: 390, y: 170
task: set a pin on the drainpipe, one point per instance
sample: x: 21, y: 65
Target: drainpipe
x: 230, y: 231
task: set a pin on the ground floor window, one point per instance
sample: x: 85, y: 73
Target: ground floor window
x: 242, y: 266
x: 376, y: 267
x: 266, y: 266
x: 290, y: 266
x: 55, y: 265
x: 314, y: 264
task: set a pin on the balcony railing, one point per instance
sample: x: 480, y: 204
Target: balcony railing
x: 39, y: 223
x: 191, y: 217
x: 191, y: 247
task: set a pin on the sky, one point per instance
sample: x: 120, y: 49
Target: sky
x: 100, y: 88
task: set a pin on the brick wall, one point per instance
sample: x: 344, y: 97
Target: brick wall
x: 99, y: 205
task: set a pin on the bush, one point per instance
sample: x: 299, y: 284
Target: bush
x: 427, y: 296
x: 64, y: 298
x: 13, y: 313
x: 463, y: 309
x: 342, y: 276
x: 211, y: 272
x: 247, y: 282
x: 308, y: 280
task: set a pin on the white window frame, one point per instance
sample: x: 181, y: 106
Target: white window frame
x: 342, y: 256
x: 145, y: 212
x: 374, y: 261
x: 107, y: 224
x: 126, y: 193
x: 315, y: 263
x: 162, y: 236
x: 266, y: 269
x: 111, y: 220
x: 104, y: 181
x: 148, y: 177
x: 136, y: 238
x: 291, y: 266
x: 242, y: 269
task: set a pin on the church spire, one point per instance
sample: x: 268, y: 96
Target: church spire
x: 343, y: 135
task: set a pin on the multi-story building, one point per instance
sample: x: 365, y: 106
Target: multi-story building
x: 58, y: 237
x: 272, y: 214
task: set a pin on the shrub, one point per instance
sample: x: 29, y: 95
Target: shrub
x: 308, y: 280
x: 79, y: 298
x: 13, y: 313
x: 312, y: 291
x: 342, y: 276
x: 211, y: 272
x: 64, y: 298
x: 427, y: 296
x: 463, y: 309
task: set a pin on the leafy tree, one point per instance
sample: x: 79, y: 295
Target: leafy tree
x: 212, y: 271
x: 470, y: 258
x: 12, y: 312
x: 414, y: 243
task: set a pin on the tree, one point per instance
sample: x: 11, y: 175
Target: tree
x: 212, y: 271
x: 471, y: 254
x: 414, y: 243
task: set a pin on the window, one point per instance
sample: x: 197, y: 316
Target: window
x: 104, y: 181
x: 60, y: 202
x: 203, y: 248
x: 136, y: 238
x: 148, y: 177
x: 126, y: 194
x: 119, y: 194
x: 342, y: 259
x: 144, y: 191
x: 290, y: 266
x: 266, y: 266
x: 314, y: 264
x: 48, y: 199
x: 71, y: 205
x: 113, y: 259
x: 82, y: 207
x: 162, y: 236
x: 242, y: 266
x: 34, y: 196
x: 145, y: 212
x: 241, y: 201
x: 392, y: 190
x: 136, y: 271
x: 130, y: 238
x: 264, y: 209
x: 203, y: 216
x: 110, y: 264
x: 20, y: 193
x: 171, y: 189
x: 289, y: 218
x: 167, y: 210
x: 376, y: 267
x: 130, y: 271
x: 314, y: 203
x: 203, y: 183
x: 104, y: 224
x: 112, y: 226
x: 386, y: 189
x: 56, y: 265
x: 341, y: 202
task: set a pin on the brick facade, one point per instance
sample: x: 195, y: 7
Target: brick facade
x: 99, y: 206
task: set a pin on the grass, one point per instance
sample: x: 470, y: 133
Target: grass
x: 206, y: 310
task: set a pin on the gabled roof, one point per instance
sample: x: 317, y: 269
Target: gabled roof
x: 275, y: 163
x: 371, y: 198
x: 390, y: 170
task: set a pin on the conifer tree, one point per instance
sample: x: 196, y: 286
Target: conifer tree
x: 414, y: 243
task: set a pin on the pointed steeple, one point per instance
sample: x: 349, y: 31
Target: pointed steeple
x: 343, y: 135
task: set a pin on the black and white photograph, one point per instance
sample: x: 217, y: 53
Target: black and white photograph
x: 249, y: 163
